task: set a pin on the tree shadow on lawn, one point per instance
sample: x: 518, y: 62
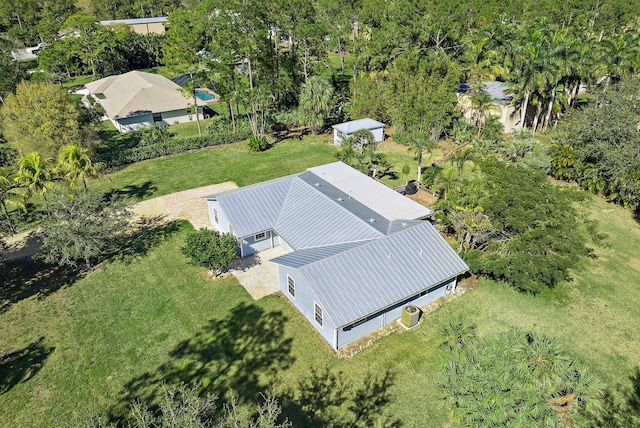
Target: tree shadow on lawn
x: 20, y: 366
x: 146, y: 234
x: 325, y: 398
x: 23, y: 279
x: 242, y: 353
x: 621, y: 410
x: 132, y: 191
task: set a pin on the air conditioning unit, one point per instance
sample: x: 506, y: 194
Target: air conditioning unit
x: 410, y: 315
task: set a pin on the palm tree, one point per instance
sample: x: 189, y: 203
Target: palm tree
x: 74, y: 163
x: 316, y: 101
x: 34, y: 175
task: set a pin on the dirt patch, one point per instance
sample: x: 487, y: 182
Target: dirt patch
x: 423, y: 197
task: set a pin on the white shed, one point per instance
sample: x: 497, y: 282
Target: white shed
x: 347, y: 129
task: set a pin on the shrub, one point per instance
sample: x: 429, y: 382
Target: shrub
x: 210, y: 249
x: 118, y: 156
x: 258, y: 144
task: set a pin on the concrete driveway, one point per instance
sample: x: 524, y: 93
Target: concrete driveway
x: 186, y: 205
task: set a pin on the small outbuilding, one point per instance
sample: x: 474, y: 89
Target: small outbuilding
x: 347, y: 129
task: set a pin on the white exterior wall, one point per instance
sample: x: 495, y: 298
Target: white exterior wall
x: 374, y: 322
x: 222, y: 225
x: 131, y: 124
x: 304, y: 301
x: 378, y: 135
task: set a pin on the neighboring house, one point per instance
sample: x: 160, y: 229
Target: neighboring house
x: 357, y: 250
x: 501, y: 105
x: 347, y: 129
x: 142, y: 25
x: 137, y: 99
x: 27, y: 53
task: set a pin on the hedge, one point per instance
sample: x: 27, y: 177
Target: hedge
x: 116, y: 157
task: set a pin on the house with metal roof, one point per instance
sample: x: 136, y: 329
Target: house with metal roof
x: 136, y: 99
x: 357, y: 251
x: 347, y: 129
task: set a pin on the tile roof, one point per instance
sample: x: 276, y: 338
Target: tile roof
x: 136, y: 93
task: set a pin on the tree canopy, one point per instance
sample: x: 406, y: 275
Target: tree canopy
x: 512, y: 224
x: 599, y: 145
x: 41, y: 118
x: 77, y: 227
x: 513, y: 379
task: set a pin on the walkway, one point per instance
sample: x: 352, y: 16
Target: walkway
x: 257, y: 274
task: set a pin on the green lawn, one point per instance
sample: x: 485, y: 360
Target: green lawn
x: 233, y: 162
x: 72, y: 345
x: 144, y: 318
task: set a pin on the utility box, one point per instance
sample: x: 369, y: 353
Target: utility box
x: 410, y: 315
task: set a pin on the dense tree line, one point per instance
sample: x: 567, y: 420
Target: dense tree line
x: 598, y: 146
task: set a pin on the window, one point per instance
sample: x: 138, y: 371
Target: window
x: 291, y: 285
x: 318, y: 313
x: 215, y: 215
x: 230, y: 229
x: 260, y: 236
x: 157, y: 117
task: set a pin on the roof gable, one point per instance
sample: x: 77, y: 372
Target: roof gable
x: 255, y: 208
x: 355, y: 283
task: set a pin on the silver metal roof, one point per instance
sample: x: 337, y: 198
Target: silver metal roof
x: 309, y: 218
x: 254, y: 208
x: 356, y: 125
x: 498, y: 91
x: 135, y: 21
x: 370, y: 193
x: 344, y: 200
x: 355, y: 283
x: 297, y: 259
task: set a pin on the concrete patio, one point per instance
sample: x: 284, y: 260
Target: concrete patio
x: 257, y: 274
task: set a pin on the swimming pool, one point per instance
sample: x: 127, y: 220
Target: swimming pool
x: 204, y: 96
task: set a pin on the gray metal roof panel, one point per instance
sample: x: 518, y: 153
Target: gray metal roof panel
x: 398, y: 225
x: 254, y: 209
x: 297, y: 259
x: 311, y: 219
x: 358, y: 282
x: 345, y: 200
x: 356, y: 125
x: 134, y: 21
x: 371, y: 193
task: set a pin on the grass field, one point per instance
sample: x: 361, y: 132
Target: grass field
x: 232, y: 162
x: 71, y: 345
